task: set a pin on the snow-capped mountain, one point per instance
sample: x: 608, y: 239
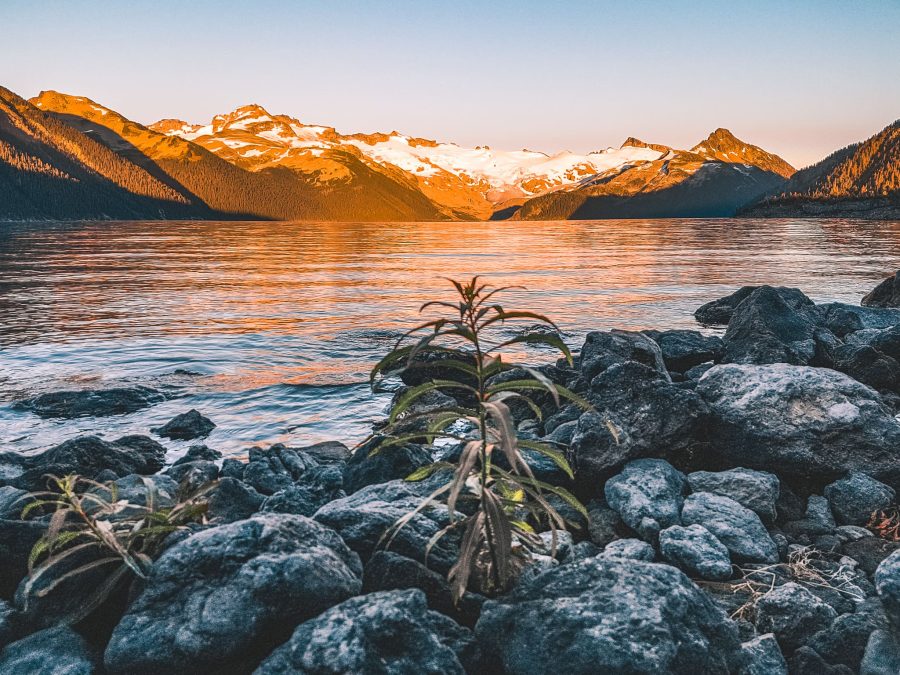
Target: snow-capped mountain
x: 474, y: 181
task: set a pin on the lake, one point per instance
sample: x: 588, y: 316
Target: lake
x: 270, y: 328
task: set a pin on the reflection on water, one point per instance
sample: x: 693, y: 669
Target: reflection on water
x: 280, y: 322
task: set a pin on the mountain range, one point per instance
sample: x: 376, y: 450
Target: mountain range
x: 68, y: 157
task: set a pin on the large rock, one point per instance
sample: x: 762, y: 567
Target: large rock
x: 91, y: 402
x: 88, y: 456
x: 762, y: 656
x: 220, y: 599
x: 842, y: 319
x: 387, y: 571
x: 695, y: 550
x: 608, y: 615
x: 269, y: 471
x: 887, y: 583
x: 855, y: 498
x: 317, y: 487
x: 885, y: 294
x: 882, y: 655
x: 738, y: 528
x: 766, y: 328
x: 328, y: 452
x: 363, y: 518
x: 17, y: 538
x: 800, y: 421
x: 601, y: 350
x: 186, y: 426
x: 651, y: 417
x: 54, y: 651
x: 684, y: 349
x: 384, y: 632
x: 719, y: 312
x: 232, y: 500
x: 370, y: 465
x: 844, y: 641
x: 630, y: 549
x: 866, y: 364
x: 793, y: 614
x: 647, y: 495
x: 755, y: 490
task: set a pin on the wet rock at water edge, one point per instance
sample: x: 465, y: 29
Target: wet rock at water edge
x: 90, y: 456
x: 685, y: 349
x: 638, y: 413
x: 328, y: 452
x: 647, y: 495
x: 718, y: 312
x: 383, y: 632
x: 371, y: 464
x: 885, y: 294
x: 220, y: 599
x: 695, y: 550
x: 601, y: 350
x: 53, y: 651
x: 755, y: 490
x: 738, y: 528
x: 613, y: 615
x: 276, y: 468
x: 857, y: 497
x: 91, y: 402
x: 186, y: 426
x: 843, y: 319
x: 768, y: 328
x: 799, y: 421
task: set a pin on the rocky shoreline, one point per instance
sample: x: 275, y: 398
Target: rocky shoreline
x: 742, y: 494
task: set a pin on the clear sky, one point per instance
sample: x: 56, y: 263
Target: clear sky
x: 798, y: 78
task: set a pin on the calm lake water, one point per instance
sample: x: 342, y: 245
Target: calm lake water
x: 270, y: 328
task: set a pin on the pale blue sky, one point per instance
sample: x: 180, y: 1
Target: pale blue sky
x: 798, y: 78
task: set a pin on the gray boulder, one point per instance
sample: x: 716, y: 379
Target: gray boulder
x: 800, y: 421
x: 844, y: 641
x: 762, y: 656
x: 317, y: 487
x: 12, y: 501
x: 766, y: 328
x: 384, y: 632
x: 684, y: 349
x: 755, y: 490
x: 91, y: 402
x: 718, y: 312
x: 602, y: 523
x: 887, y: 583
x: 220, y: 599
x: 328, y: 452
x: 638, y: 413
x: 866, y: 364
x: 601, y: 350
x: 647, y: 495
x: 90, y: 456
x: 186, y: 426
x: 363, y: 517
x: 738, y: 528
x: 269, y: 471
x: 855, y: 498
x: 695, y: 550
x: 53, y: 651
x: 882, y: 655
x: 885, y: 294
x: 842, y: 319
x: 793, y: 614
x: 370, y: 465
x: 232, y: 500
x: 631, y: 549
x: 608, y: 615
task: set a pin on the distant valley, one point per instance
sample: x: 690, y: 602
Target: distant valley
x: 68, y: 157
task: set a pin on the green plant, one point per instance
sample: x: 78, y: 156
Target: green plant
x: 504, y: 502
x: 91, y: 529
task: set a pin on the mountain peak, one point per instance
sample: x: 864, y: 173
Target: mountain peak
x: 723, y: 146
x: 632, y: 142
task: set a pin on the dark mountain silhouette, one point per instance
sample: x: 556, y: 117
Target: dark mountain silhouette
x: 861, y: 180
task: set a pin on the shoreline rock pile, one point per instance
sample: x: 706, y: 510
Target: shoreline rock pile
x: 742, y: 493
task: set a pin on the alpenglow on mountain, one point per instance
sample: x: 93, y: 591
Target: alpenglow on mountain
x: 64, y: 156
